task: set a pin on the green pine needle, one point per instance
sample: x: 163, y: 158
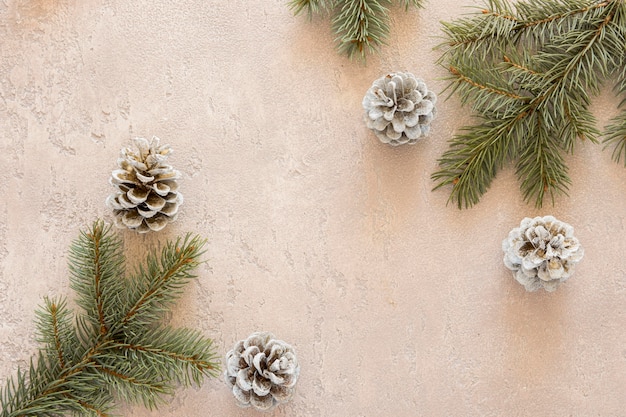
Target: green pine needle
x: 361, y: 26
x: 529, y: 70
x: 117, y: 347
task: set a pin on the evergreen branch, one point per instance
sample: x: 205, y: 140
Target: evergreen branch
x: 90, y: 409
x: 486, y: 91
x: 498, y: 22
x: 96, y: 266
x: 616, y: 137
x: 361, y: 26
x: 541, y: 168
x: 418, y: 4
x: 158, y: 286
x: 29, y: 396
x: 312, y: 6
x: 132, y: 383
x: 473, y: 158
x: 578, y: 123
x: 55, y: 331
x: 185, y: 356
x: 534, y: 15
x: 533, y: 66
x: 615, y: 132
x: 582, y: 50
x: 79, y: 368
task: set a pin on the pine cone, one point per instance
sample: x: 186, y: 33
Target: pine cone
x: 399, y: 108
x: 147, y: 197
x: 542, y: 252
x: 262, y: 371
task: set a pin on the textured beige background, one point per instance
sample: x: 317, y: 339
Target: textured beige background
x: 397, y: 304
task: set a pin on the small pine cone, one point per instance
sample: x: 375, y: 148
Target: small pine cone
x: 399, y: 108
x: 262, y: 371
x: 147, y: 196
x: 542, y: 252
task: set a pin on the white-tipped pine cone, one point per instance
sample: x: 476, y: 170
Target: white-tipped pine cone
x: 262, y: 371
x: 399, y: 108
x: 147, y: 196
x: 542, y: 252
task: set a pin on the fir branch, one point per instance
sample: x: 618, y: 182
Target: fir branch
x: 80, y: 367
x: 616, y: 136
x: 361, y: 26
x: 156, y: 287
x: 540, y: 166
x: 616, y: 129
x: 54, y: 327
x: 311, y: 6
x: 132, y: 383
x: 474, y: 157
x: 96, y: 265
x: 534, y: 65
x: 185, y: 356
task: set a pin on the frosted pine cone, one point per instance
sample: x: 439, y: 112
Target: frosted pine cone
x: 262, y: 371
x: 399, y: 108
x: 542, y: 252
x: 147, y: 196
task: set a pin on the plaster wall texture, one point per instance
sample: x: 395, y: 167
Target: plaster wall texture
x: 397, y: 304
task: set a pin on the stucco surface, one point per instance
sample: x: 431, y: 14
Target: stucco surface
x: 397, y: 304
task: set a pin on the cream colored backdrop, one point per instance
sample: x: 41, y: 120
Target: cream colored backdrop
x: 396, y: 304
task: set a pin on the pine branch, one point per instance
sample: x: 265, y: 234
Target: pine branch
x: 534, y: 66
x: 96, y: 265
x: 183, y: 355
x: 361, y: 26
x: 616, y: 136
x: 157, y: 287
x: 56, y: 333
x: 475, y: 156
x: 541, y: 168
x: 132, y: 383
x: 311, y: 6
x: 616, y: 130
x: 80, y: 367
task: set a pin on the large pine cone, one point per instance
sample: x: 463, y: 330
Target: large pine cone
x: 262, y: 371
x: 399, y: 108
x: 147, y: 196
x: 542, y: 252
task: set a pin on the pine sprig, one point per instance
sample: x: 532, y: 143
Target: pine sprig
x: 117, y: 347
x: 361, y: 26
x: 157, y: 286
x: 311, y: 6
x: 529, y: 71
x: 616, y: 130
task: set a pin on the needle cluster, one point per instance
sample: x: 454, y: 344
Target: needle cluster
x: 117, y: 347
x: 361, y: 26
x: 529, y: 71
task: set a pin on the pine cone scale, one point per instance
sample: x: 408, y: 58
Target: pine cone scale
x: 137, y: 195
x: 155, y: 202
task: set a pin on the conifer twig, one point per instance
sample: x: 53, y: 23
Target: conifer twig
x: 82, y: 366
x: 528, y: 71
x: 361, y: 26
